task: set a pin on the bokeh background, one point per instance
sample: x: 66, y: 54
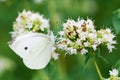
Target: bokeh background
x: 67, y: 67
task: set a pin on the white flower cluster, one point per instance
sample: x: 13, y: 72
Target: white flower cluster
x: 79, y: 35
x: 113, y: 75
x: 28, y: 21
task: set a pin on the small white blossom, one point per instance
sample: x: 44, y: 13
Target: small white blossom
x: 55, y: 56
x: 72, y: 50
x: 98, y: 41
x: 90, y: 22
x: 92, y: 35
x: 78, y: 42
x: 61, y: 46
x: 94, y: 47
x: 52, y: 37
x: 83, y: 35
x: 82, y: 21
x: 61, y: 33
x: 84, y: 51
x: 87, y: 44
x: 110, y: 47
x: 114, y: 72
x: 113, y: 75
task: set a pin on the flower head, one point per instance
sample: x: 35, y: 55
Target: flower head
x: 78, y: 36
x: 28, y: 21
x: 107, y: 38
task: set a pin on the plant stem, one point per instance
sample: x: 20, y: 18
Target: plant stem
x: 26, y: 4
x: 54, y: 16
x: 98, y: 70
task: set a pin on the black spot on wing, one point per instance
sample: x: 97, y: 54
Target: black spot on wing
x: 25, y: 48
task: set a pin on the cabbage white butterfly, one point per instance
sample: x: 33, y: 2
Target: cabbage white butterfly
x: 34, y: 48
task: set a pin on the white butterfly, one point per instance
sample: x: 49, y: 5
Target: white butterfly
x: 34, y: 48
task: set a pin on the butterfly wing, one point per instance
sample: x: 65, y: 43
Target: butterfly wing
x: 34, y: 49
x: 40, y: 60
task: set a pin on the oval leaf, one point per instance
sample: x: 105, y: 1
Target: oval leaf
x: 116, y: 21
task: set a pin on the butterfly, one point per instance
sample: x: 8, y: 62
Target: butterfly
x: 34, y: 48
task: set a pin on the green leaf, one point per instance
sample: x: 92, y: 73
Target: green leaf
x: 98, y: 52
x: 87, y: 59
x: 104, y: 59
x: 116, y: 21
x: 101, y: 57
x: 117, y: 64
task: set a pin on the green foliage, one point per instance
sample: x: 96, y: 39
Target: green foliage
x: 101, y: 57
x: 117, y: 64
x: 116, y: 20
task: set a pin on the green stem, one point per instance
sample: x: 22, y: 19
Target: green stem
x: 26, y: 4
x: 54, y: 16
x: 98, y: 70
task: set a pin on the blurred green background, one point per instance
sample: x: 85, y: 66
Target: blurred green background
x: 68, y: 67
